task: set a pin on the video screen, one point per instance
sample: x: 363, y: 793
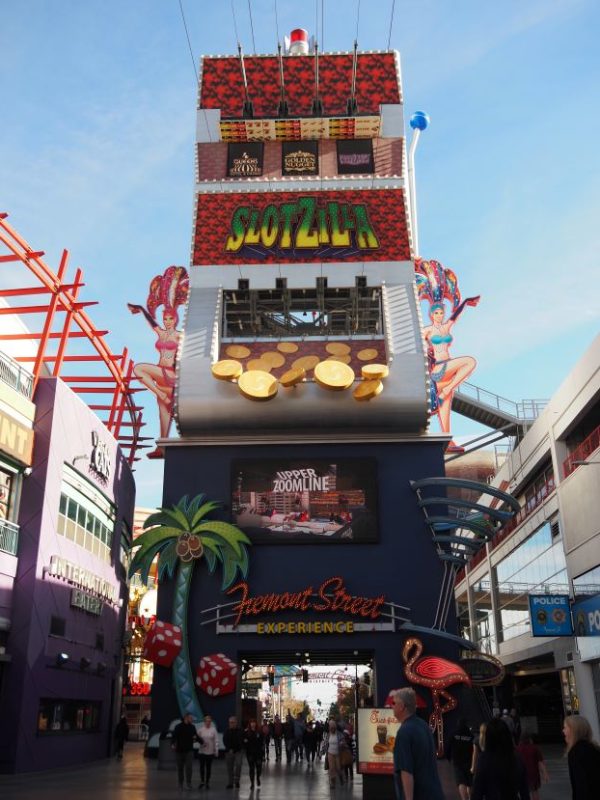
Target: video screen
x: 283, y: 501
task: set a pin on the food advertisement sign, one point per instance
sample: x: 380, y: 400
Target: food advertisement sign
x: 377, y: 729
x: 550, y: 615
x: 286, y: 227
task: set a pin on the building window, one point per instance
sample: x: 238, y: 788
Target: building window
x: 57, y: 626
x: 462, y: 613
x: 88, y: 523
x: 537, y: 566
x: 125, y: 548
x: 6, y: 486
x: 587, y: 585
x: 485, y: 625
x: 66, y: 716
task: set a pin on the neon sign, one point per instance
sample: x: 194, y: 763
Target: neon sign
x: 303, y: 225
x: 330, y: 596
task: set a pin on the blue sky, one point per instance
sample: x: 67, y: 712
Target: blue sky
x: 96, y: 155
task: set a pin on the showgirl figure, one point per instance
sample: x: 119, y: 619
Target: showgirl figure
x: 169, y: 290
x: 436, y: 284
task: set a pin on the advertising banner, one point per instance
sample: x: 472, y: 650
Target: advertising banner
x: 245, y: 159
x: 377, y: 729
x: 355, y: 157
x: 286, y: 227
x: 311, y: 500
x: 300, y: 158
x: 586, y: 616
x: 550, y: 615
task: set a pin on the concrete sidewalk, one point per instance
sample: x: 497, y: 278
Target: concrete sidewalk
x: 135, y: 778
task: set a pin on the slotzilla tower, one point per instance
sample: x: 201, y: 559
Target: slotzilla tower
x: 302, y: 388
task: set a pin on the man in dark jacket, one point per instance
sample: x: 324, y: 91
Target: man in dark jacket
x: 184, y: 736
x: 121, y: 735
x: 232, y: 742
x: 277, y: 737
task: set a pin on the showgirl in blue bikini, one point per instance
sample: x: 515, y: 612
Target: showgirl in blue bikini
x: 436, y: 284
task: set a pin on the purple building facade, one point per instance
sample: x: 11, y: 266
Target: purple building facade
x: 60, y: 695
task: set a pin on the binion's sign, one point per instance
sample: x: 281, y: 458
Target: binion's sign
x: 305, y: 224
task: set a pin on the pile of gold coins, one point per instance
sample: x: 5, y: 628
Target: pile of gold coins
x: 334, y: 373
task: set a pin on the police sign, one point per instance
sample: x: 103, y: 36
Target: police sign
x: 586, y: 616
x: 550, y: 615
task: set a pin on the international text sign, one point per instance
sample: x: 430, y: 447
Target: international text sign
x: 286, y: 227
x: 586, y: 616
x: 550, y: 615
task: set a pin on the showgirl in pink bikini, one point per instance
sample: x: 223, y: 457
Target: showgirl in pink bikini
x: 169, y: 290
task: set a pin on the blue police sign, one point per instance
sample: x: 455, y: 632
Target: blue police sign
x: 586, y: 616
x: 550, y: 615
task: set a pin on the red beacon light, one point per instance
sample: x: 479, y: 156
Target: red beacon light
x: 298, y: 45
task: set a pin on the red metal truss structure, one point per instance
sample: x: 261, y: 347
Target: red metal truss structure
x: 63, y: 341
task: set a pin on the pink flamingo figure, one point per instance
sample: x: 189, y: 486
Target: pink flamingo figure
x: 436, y: 674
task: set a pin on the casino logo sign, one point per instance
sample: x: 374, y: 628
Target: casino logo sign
x: 300, y: 158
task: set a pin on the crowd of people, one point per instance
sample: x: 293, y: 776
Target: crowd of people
x: 502, y: 762
x: 299, y: 739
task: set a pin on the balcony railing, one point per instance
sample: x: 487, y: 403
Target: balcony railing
x: 9, y: 537
x: 582, y: 452
x: 15, y: 376
x: 526, y: 511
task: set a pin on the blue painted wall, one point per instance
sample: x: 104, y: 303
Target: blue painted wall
x: 403, y: 565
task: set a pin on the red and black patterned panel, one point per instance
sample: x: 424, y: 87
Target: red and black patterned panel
x: 377, y: 81
x: 287, y: 227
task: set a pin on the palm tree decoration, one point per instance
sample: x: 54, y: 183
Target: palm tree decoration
x: 181, y: 536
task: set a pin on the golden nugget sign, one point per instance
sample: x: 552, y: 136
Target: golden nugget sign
x: 331, y: 596
x: 299, y: 161
x: 304, y: 225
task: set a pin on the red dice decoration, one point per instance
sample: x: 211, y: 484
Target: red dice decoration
x: 162, y: 644
x: 216, y: 674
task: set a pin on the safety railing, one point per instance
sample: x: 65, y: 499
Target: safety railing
x: 525, y: 410
x: 582, y: 452
x: 15, y: 376
x: 9, y: 537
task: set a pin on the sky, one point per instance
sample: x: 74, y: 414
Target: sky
x: 97, y: 156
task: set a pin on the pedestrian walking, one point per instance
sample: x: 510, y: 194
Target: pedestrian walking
x: 255, y: 750
x: 233, y: 742
x: 333, y: 743
x: 583, y: 755
x: 277, y: 737
x: 514, y: 715
x: 509, y: 722
x: 266, y: 732
x: 121, y: 735
x: 478, y: 746
x: 184, y: 736
x: 534, y: 764
x: 207, y: 736
x: 319, y: 737
x: 459, y: 752
x: 288, y: 737
x: 415, y: 765
x: 310, y: 744
x: 500, y: 773
x: 347, y: 754
x: 299, y: 728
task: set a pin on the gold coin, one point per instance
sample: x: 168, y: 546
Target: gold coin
x: 257, y: 385
x: 367, y: 390
x: 273, y: 358
x: 238, y: 351
x: 227, y: 370
x: 334, y: 375
x: 337, y: 348
x: 368, y: 354
x: 375, y: 372
x: 306, y: 362
x: 259, y: 364
x: 292, y: 377
x: 287, y: 347
x: 343, y: 359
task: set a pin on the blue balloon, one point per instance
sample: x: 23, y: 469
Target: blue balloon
x: 419, y: 121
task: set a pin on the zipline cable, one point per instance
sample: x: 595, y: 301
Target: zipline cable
x: 251, y: 26
x: 188, y: 39
x: 391, y: 24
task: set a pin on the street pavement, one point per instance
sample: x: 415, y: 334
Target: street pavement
x: 135, y: 778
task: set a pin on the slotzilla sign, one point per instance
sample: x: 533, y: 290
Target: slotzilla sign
x: 303, y: 224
